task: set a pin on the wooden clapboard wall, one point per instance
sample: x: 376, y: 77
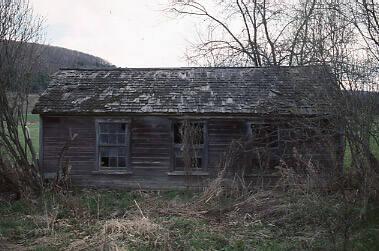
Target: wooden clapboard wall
x: 150, y: 149
x: 150, y: 143
x: 82, y: 151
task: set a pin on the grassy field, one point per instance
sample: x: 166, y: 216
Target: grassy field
x: 115, y: 220
x: 33, y: 125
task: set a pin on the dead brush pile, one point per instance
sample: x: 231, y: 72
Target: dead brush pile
x: 136, y: 231
x: 115, y: 234
x: 217, y: 188
x: 306, y: 205
x: 303, y: 205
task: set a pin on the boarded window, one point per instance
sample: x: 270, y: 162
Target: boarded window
x: 113, y: 144
x: 189, y: 141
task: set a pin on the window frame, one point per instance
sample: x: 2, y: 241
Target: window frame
x: 250, y: 134
x: 204, y: 149
x: 127, y: 122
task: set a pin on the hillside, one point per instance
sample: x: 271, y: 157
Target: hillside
x: 52, y: 58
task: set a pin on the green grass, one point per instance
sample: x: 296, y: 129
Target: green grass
x: 33, y: 125
x: 109, y: 203
x: 373, y: 145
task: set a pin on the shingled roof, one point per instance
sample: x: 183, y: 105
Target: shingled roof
x: 237, y: 90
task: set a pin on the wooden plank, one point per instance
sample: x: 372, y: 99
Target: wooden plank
x: 41, y: 144
x: 150, y: 143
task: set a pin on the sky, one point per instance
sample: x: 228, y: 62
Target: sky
x: 127, y: 33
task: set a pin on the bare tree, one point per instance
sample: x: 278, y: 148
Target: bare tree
x: 269, y: 32
x: 241, y: 32
x: 366, y: 19
x: 20, y: 29
x: 341, y: 34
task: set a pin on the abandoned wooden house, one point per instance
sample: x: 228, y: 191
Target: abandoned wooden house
x: 124, y: 127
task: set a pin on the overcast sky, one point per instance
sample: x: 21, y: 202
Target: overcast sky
x: 127, y: 33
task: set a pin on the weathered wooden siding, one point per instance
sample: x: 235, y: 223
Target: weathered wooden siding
x: 221, y: 133
x: 150, y: 143
x: 150, y: 160
x: 82, y: 151
x: 323, y: 149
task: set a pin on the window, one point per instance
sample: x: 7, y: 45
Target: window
x: 194, y: 130
x: 309, y: 132
x: 263, y: 148
x: 264, y: 135
x: 112, y: 145
x: 189, y: 141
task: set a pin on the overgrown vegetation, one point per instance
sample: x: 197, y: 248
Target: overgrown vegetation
x: 298, y: 213
x: 20, y: 29
x: 115, y: 220
x: 295, y: 215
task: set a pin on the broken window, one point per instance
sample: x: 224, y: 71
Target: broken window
x: 113, y: 144
x: 188, y: 145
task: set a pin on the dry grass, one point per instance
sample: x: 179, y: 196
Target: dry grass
x: 137, y: 229
x: 117, y: 234
x: 265, y: 218
x: 292, y: 216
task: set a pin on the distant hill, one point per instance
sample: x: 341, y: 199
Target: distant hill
x: 52, y: 58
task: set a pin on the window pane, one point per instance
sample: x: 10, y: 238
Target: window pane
x: 121, y: 162
x: 198, y: 132
x: 112, y: 145
x: 121, y: 139
x: 122, y: 151
x: 178, y: 133
x: 197, y: 163
x: 103, y: 139
x: 112, y: 139
x: 104, y: 127
x: 123, y: 128
x: 104, y: 161
x: 113, y: 152
x: 109, y: 151
x: 113, y: 127
x: 192, y: 132
x: 113, y: 157
x: 104, y: 152
x: 113, y: 162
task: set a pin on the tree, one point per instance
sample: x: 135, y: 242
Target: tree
x: 341, y: 34
x: 243, y: 32
x: 366, y: 19
x: 20, y: 29
x: 268, y: 32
